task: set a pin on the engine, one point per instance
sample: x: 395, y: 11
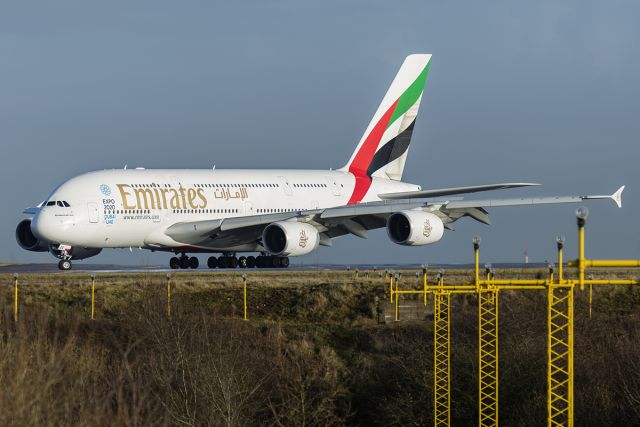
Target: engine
x: 26, y: 239
x: 288, y: 238
x: 414, y: 228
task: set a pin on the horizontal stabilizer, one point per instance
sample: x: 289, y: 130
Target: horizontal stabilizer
x: 454, y: 190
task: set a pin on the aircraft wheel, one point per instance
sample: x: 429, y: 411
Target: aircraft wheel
x: 242, y: 262
x: 274, y: 262
x: 193, y: 262
x: 251, y: 261
x: 174, y: 263
x: 260, y: 262
x: 212, y: 262
x: 232, y: 262
x: 64, y: 265
x: 284, y: 262
x: 222, y: 262
x: 184, y: 262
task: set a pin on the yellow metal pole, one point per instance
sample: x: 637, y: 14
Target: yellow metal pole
x: 169, y: 294
x: 15, y: 297
x: 476, y: 257
x: 611, y: 263
x: 93, y: 292
x: 560, y: 270
x: 590, y: 299
x: 397, y: 298
x: 581, y: 260
x: 424, y: 284
x: 244, y: 286
x: 391, y: 288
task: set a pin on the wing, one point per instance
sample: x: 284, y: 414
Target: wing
x: 452, y: 191
x: 352, y: 219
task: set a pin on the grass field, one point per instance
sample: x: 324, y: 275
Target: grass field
x: 312, y: 352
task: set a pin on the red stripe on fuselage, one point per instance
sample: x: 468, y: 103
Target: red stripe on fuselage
x: 362, y: 160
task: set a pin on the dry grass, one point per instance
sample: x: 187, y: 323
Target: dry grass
x: 312, y: 352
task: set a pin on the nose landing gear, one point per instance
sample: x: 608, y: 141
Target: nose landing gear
x: 64, y: 264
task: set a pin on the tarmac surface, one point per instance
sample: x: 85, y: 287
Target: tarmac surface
x: 80, y: 267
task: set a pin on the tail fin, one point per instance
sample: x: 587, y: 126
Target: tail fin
x: 383, y: 149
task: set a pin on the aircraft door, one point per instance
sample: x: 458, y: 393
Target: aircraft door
x: 93, y: 212
x: 285, y: 185
x: 335, y: 188
x: 248, y: 208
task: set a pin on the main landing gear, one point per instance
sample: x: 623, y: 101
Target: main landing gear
x: 262, y: 261
x: 230, y: 261
x: 183, y: 262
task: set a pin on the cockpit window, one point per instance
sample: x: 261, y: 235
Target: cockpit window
x: 60, y: 204
x: 66, y: 205
x: 51, y: 203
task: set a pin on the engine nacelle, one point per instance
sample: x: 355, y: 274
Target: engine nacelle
x: 26, y: 239
x: 288, y: 238
x: 414, y: 228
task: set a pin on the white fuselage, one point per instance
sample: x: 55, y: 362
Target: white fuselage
x: 133, y: 208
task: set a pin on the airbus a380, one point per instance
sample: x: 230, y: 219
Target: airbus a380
x: 275, y: 213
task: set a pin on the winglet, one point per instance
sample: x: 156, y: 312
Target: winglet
x: 617, y: 196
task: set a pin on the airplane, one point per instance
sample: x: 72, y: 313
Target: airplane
x: 276, y: 214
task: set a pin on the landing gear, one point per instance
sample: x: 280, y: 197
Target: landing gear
x: 227, y: 262
x: 230, y: 261
x: 251, y: 261
x: 212, y: 262
x: 193, y: 262
x: 183, y: 262
x: 64, y: 265
x: 269, y: 261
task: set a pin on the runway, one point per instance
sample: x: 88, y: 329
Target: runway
x: 41, y: 268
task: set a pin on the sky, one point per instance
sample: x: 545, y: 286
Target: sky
x: 541, y: 91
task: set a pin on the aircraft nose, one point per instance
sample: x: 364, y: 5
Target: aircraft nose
x: 45, y: 227
x: 40, y: 225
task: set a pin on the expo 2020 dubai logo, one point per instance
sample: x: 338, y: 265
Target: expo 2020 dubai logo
x: 105, y: 190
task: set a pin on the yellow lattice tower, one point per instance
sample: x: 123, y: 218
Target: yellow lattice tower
x: 442, y: 358
x: 560, y: 355
x: 488, y: 357
x: 487, y: 342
